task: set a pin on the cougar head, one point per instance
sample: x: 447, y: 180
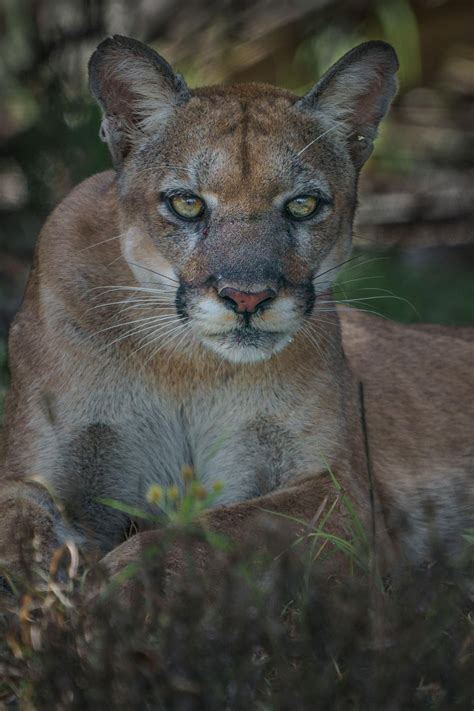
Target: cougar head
x: 237, y: 202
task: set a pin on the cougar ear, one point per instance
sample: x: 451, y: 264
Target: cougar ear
x: 136, y: 89
x: 355, y: 93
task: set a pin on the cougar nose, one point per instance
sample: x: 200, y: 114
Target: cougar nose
x: 244, y: 301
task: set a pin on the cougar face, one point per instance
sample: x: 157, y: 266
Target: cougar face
x: 245, y: 267
x: 237, y: 202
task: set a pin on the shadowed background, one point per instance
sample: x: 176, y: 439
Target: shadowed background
x: 414, y: 232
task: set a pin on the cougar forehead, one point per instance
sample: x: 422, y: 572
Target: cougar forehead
x: 244, y: 138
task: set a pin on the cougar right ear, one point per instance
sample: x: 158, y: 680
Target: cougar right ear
x: 354, y: 95
x: 136, y: 89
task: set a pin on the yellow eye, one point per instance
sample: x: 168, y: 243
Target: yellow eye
x: 188, y: 206
x: 302, y: 206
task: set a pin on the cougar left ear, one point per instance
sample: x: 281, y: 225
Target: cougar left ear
x: 354, y: 95
x: 136, y: 89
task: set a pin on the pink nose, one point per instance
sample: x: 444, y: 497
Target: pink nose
x: 244, y: 301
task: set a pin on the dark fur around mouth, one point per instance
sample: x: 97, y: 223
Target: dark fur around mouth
x: 180, y: 302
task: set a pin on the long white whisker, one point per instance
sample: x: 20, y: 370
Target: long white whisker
x: 147, y: 290
x: 161, y: 331
x: 342, y: 265
x: 122, y: 313
x: 387, y: 295
x: 319, y: 333
x: 328, y: 130
x: 129, y: 323
x: 308, y: 335
x: 134, y: 332
x: 170, y: 287
x: 149, y: 339
x: 351, y: 309
x: 97, y: 244
x: 350, y: 281
x: 368, y: 298
x: 147, y: 269
x: 363, y: 300
x: 177, y: 345
x: 133, y: 303
x: 324, y: 322
x: 172, y: 335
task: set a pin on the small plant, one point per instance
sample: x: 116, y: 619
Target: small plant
x: 175, y: 505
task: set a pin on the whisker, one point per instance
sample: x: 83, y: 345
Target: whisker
x: 324, y: 322
x: 134, y: 332
x: 149, y: 338
x: 328, y: 130
x: 310, y: 338
x: 314, y: 328
x: 129, y: 323
x: 169, y: 287
x: 338, y: 266
x: 347, y: 261
x: 364, y: 278
x: 388, y: 294
x: 366, y: 261
x: 159, y: 309
x: 115, y: 260
x: 351, y: 309
x: 370, y: 298
x: 169, y: 341
x: 97, y: 244
x: 135, y: 303
x: 147, y: 269
x: 171, y: 336
x: 138, y: 289
x: 220, y: 366
x: 161, y: 331
x: 177, y: 345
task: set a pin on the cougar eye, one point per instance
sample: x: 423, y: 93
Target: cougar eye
x: 189, y: 207
x: 303, y: 206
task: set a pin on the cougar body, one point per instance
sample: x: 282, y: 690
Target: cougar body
x: 179, y: 312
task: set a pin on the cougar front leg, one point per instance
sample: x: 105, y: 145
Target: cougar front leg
x: 32, y: 527
x: 65, y: 502
x: 267, y: 525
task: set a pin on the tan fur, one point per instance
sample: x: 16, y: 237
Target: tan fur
x: 100, y: 409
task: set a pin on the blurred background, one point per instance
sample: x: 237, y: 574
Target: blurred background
x: 414, y: 232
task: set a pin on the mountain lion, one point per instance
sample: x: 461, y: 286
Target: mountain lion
x: 179, y: 313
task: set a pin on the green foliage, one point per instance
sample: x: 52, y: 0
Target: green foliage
x: 416, y: 291
x: 393, y: 21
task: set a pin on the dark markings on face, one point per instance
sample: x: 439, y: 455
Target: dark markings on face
x: 180, y: 302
